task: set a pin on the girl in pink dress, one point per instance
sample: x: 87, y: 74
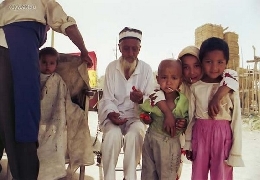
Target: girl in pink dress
x: 216, y: 143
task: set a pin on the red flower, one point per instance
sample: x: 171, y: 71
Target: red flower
x: 145, y: 116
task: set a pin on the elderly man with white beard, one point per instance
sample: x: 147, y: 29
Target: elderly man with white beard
x: 128, y: 81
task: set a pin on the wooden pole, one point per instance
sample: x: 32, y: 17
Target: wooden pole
x: 52, y: 38
x: 242, y: 81
x: 248, y: 90
x: 255, y: 85
x: 116, y: 48
x: 258, y: 103
x: 255, y: 80
x: 242, y: 78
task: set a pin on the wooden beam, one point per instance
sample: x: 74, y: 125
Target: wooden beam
x: 250, y: 61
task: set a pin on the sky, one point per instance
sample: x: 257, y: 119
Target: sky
x: 167, y: 25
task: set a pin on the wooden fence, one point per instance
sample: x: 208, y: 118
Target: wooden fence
x: 249, y: 87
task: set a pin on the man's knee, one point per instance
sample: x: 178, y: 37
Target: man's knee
x: 137, y: 130
x: 136, y: 135
x: 112, y: 133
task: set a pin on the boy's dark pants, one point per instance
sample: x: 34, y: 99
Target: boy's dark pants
x: 22, y: 156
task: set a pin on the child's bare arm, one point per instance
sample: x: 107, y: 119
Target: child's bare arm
x: 214, y: 104
x: 157, y: 98
x: 169, y: 119
x: 228, y: 83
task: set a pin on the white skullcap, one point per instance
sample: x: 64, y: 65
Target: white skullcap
x: 130, y: 33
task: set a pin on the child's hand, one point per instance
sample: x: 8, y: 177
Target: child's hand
x: 189, y: 155
x: 213, y: 107
x: 181, y: 123
x: 146, y: 118
x: 169, y: 124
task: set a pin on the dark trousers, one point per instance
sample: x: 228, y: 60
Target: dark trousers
x: 22, y: 157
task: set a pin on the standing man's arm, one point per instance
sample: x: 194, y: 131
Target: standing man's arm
x: 60, y: 22
x: 76, y: 37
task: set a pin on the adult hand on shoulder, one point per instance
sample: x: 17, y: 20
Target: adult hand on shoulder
x: 115, y: 118
x: 86, y: 58
x: 169, y: 124
x: 213, y: 107
x: 75, y: 36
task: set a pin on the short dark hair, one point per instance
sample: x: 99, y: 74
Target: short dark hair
x: 48, y: 51
x: 212, y: 44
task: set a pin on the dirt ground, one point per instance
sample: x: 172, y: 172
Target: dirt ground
x: 251, y: 157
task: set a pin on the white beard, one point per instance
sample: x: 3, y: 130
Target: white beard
x: 128, y: 67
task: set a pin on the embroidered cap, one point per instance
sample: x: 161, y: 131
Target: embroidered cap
x: 192, y: 50
x: 130, y: 33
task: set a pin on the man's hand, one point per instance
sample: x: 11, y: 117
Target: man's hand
x: 213, y: 107
x: 181, y: 123
x: 169, y: 124
x: 76, y: 37
x: 189, y: 155
x: 136, y: 95
x: 86, y: 58
x: 115, y: 118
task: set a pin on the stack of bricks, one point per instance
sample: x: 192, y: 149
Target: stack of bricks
x: 206, y: 31
x: 210, y: 30
x: 232, y: 40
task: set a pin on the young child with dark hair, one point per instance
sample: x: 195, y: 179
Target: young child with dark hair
x: 216, y: 144
x: 161, y: 153
x: 48, y: 63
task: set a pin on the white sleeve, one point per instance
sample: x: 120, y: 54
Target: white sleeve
x: 235, y: 154
x: 158, y: 95
x: 106, y: 104
x: 56, y: 18
x: 230, y: 79
x: 188, y: 132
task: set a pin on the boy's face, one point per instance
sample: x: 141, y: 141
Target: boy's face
x: 48, y: 64
x: 191, y: 69
x: 169, y: 78
x: 214, y: 63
